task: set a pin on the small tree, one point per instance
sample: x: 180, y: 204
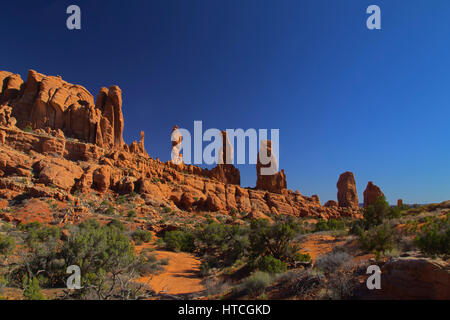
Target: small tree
x: 32, y: 289
x: 272, y: 265
x: 376, y: 212
x: 273, y: 239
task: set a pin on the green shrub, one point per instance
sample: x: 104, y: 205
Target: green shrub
x: 302, y: 257
x: 32, y: 290
x: 223, y: 244
x: 117, y: 224
x: 140, y: 236
x: 377, y: 239
x: 167, y: 210
x: 256, y: 283
x: 273, y: 239
x: 331, y: 224
x: 28, y: 129
x: 97, y: 250
x: 38, y: 233
x: 179, y: 240
x: 356, y: 227
x: 7, y: 245
x: 434, y: 238
x: 377, y: 212
x: 272, y: 265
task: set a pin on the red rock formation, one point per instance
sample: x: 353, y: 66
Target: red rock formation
x: 371, y: 194
x: 138, y: 148
x: 399, y: 203
x: 331, y: 204
x: 275, y: 182
x: 63, y: 166
x: 50, y: 102
x: 10, y: 86
x: 176, y: 138
x: 415, y: 278
x: 225, y: 171
x: 347, y: 195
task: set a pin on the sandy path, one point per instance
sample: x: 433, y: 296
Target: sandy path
x: 180, y: 275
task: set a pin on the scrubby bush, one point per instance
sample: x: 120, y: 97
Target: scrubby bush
x: 7, y: 245
x: 97, y: 249
x: 256, y: 283
x: 300, y: 283
x: 377, y: 212
x: 272, y: 265
x: 179, y: 240
x: 332, y: 261
x: 435, y: 237
x: 117, y: 224
x: 273, y: 239
x: 32, y: 290
x: 38, y: 233
x: 378, y: 239
x: 329, y: 225
x: 302, y: 257
x: 140, y: 236
x: 223, y: 244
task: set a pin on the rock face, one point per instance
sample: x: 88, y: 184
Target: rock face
x: 271, y: 180
x: 415, y: 278
x: 50, y: 102
x: 399, y: 203
x: 371, y: 194
x: 347, y: 195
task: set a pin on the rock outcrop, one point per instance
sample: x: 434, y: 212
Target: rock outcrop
x: 225, y: 171
x: 56, y: 143
x: 138, y: 147
x: 347, y: 195
x: 50, y: 102
x: 268, y: 177
x: 415, y: 278
x: 371, y: 194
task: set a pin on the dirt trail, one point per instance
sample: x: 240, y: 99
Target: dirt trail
x: 180, y: 275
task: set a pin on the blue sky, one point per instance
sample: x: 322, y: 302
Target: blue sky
x: 344, y: 98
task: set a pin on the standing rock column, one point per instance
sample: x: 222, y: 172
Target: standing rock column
x: 275, y: 182
x: 176, y: 138
x: 347, y: 195
x: 371, y: 194
x: 225, y: 171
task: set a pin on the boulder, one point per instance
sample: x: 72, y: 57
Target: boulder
x: 58, y: 172
x: 415, y: 278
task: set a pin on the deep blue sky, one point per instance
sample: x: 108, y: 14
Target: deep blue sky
x: 344, y: 98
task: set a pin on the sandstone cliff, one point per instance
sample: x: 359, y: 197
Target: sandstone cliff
x: 72, y: 145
